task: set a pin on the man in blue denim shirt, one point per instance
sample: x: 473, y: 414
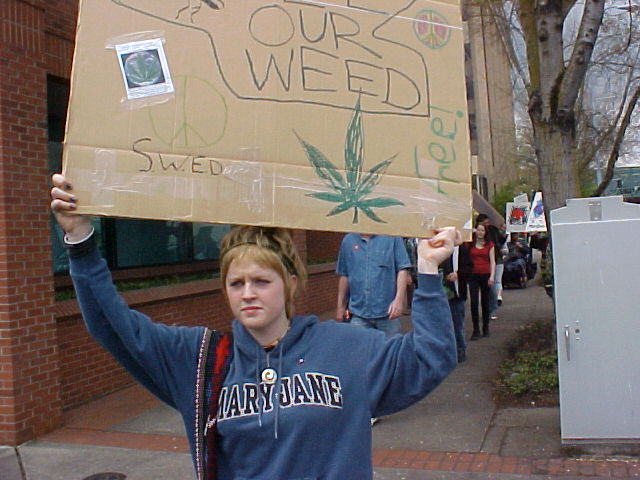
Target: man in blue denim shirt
x: 373, y: 277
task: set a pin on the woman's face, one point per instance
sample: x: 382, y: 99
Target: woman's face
x: 480, y: 231
x: 257, y: 299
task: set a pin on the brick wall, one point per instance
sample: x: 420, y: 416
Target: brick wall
x: 322, y: 245
x: 29, y: 375
x: 322, y: 291
x: 88, y: 371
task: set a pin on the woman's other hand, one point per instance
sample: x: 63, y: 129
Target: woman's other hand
x: 433, y: 251
x: 77, y: 227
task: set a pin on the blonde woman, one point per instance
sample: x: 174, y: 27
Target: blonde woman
x: 296, y: 396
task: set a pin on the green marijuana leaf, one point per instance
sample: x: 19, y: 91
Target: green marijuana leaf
x: 143, y: 68
x: 352, y: 190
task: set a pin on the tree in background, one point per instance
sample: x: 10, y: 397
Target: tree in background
x: 508, y: 191
x: 563, y: 52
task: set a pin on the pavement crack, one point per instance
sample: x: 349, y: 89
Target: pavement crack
x: 23, y: 473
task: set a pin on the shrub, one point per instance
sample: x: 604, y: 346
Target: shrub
x: 538, y: 336
x: 529, y: 373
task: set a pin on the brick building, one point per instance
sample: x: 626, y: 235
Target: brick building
x: 47, y: 361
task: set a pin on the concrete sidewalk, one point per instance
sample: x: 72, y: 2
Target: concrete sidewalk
x: 454, y: 434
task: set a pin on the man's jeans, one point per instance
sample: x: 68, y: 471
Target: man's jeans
x: 389, y: 327
x: 497, y: 286
x: 456, y: 306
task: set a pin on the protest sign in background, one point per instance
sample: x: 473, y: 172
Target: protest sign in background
x: 517, y: 214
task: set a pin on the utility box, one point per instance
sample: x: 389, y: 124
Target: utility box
x: 596, y: 257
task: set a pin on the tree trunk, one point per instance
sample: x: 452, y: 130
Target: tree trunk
x: 555, y: 170
x: 551, y: 60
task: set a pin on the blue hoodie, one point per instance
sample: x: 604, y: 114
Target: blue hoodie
x: 333, y: 378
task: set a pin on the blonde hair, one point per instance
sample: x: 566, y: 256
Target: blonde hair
x: 270, y: 248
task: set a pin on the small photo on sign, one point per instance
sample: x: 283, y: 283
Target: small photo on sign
x: 144, y: 68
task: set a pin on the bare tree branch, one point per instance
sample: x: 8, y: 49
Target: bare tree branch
x: 615, y: 151
x: 613, y: 125
x: 587, y: 157
x: 505, y: 26
x: 567, y: 5
x: 629, y: 8
x: 575, y: 72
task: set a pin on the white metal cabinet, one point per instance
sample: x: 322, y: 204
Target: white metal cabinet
x: 596, y: 255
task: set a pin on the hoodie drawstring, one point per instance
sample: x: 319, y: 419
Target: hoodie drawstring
x: 278, y: 393
x: 261, y: 400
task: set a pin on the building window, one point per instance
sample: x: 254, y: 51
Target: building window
x: 126, y: 243
x: 479, y: 184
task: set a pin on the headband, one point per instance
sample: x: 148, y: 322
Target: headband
x: 286, y: 261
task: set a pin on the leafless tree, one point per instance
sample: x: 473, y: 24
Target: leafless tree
x: 562, y: 51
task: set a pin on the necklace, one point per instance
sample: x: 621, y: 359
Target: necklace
x: 273, y: 344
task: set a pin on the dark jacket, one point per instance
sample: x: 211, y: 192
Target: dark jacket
x: 498, y: 238
x: 465, y: 267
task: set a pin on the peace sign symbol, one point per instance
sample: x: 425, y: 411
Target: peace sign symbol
x: 432, y: 29
x: 196, y: 119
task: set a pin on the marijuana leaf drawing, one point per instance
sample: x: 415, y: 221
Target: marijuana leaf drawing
x: 352, y: 190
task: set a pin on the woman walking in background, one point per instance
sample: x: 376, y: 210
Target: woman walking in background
x: 482, y: 278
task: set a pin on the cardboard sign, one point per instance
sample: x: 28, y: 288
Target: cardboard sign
x: 517, y: 214
x: 522, y: 198
x: 342, y: 116
x: 537, y: 221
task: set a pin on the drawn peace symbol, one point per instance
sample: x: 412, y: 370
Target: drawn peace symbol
x: 432, y: 29
x: 198, y: 117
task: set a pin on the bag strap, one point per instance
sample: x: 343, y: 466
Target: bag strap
x: 218, y: 365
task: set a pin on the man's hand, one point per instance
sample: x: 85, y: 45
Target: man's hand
x: 63, y: 201
x: 433, y: 251
x: 343, y: 294
x: 396, y: 308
